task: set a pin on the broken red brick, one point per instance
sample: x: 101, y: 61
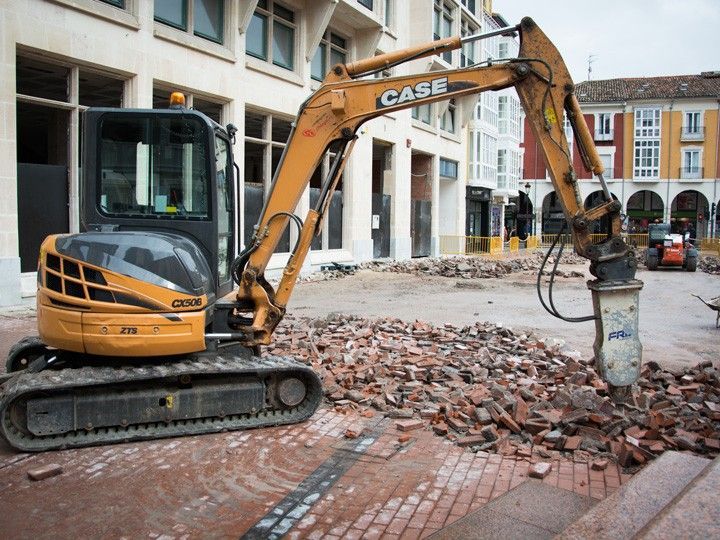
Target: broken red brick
x: 440, y: 429
x: 409, y: 425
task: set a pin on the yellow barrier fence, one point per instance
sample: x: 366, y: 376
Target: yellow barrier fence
x: 514, y: 244
x: 464, y: 245
x: 496, y: 245
x: 638, y: 241
x: 710, y: 245
x: 532, y: 242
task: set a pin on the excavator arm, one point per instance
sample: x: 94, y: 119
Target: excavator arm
x: 335, y: 112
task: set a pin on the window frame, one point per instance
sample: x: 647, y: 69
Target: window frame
x: 698, y: 124
x: 488, y: 157
x: 330, y: 46
x: 188, y: 21
x: 647, y: 127
x: 415, y: 113
x: 694, y: 172
x: 451, y: 115
x: 271, y: 18
x: 443, y: 12
x: 452, y: 164
x: 604, y: 126
x: 468, y: 50
x: 206, y: 134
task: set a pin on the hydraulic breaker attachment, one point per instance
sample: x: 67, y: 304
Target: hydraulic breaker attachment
x: 617, y: 347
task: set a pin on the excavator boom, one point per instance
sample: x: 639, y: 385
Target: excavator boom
x: 335, y: 112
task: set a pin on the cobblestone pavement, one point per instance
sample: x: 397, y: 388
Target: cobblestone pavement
x: 308, y: 480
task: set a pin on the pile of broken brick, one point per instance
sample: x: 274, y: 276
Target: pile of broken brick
x: 485, y: 387
x: 476, y: 267
x: 709, y: 264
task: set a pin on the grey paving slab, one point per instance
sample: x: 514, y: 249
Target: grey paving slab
x: 635, y: 504
x: 531, y: 510
x: 695, y: 513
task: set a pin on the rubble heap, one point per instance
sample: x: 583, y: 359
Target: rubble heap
x: 486, y: 388
x: 475, y: 267
x: 709, y: 264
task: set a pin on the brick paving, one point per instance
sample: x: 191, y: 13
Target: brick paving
x: 223, y: 485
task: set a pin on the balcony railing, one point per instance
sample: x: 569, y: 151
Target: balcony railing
x: 693, y: 133
x: 690, y: 173
x: 604, y: 135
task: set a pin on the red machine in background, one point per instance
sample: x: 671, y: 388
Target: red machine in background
x: 666, y: 249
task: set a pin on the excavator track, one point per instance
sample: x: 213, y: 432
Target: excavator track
x: 205, y: 393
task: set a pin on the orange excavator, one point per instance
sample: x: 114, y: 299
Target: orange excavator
x: 142, y: 331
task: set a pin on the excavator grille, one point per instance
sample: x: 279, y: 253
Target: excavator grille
x: 77, y: 280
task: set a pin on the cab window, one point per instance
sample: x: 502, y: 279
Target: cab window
x: 154, y: 166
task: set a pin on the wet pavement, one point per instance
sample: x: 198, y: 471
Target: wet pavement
x: 306, y: 481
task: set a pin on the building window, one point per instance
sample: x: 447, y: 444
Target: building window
x: 509, y: 116
x: 204, y: 18
x: 647, y: 143
x: 389, y: 12
x: 467, y: 53
x: 489, y: 156
x: 604, y: 123
x: 448, y: 168
x: 473, y: 155
x: 116, y: 3
x: 442, y: 25
x: 647, y: 123
x: 271, y: 34
x: 469, y: 4
x: 265, y: 139
x: 502, y: 115
x: 488, y: 108
x: 692, y: 121
x: 331, y: 50
x: 490, y: 45
x: 367, y: 3
x: 647, y: 159
x: 513, y: 170
x: 502, y: 169
x: 692, y: 129
x: 503, y: 50
x: 691, y: 163
x: 423, y: 113
x: 607, y: 162
x: 447, y: 121
x: 603, y: 127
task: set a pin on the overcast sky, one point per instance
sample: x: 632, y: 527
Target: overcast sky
x: 629, y: 38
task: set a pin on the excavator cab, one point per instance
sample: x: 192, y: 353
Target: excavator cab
x: 159, y: 171
x: 157, y: 214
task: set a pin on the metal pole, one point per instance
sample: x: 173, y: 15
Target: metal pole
x: 499, y: 31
